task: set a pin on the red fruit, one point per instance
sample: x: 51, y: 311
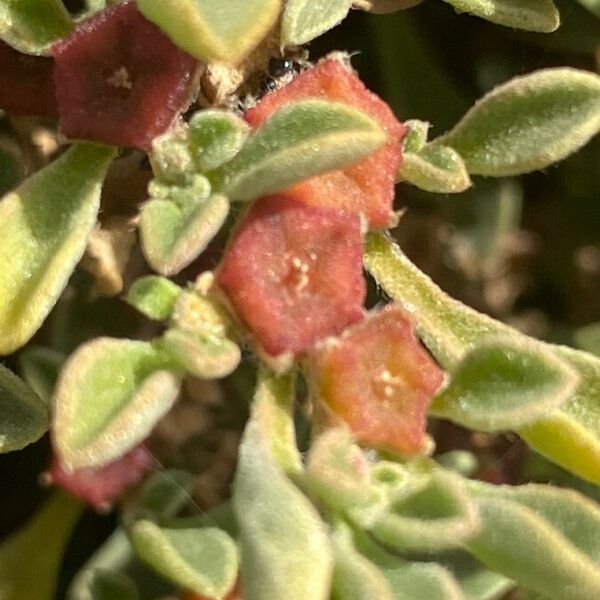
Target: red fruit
x: 100, y: 487
x: 293, y: 273
x: 119, y: 79
x: 379, y: 379
x: 367, y: 186
x: 26, y: 83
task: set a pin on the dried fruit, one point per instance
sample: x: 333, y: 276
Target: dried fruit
x: 100, y: 487
x: 379, y: 379
x: 293, y: 273
x: 119, y: 79
x: 26, y: 85
x: 366, y: 187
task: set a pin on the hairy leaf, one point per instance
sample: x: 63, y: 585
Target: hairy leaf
x: 105, y: 585
x: 304, y: 20
x: 211, y: 30
x: 24, y: 416
x: 44, y: 227
x: 285, y: 549
x: 528, y: 123
x: 40, y: 367
x: 154, y: 296
x: 109, y: 396
x: 300, y: 140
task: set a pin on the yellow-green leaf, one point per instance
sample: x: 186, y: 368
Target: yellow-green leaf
x: 304, y: 20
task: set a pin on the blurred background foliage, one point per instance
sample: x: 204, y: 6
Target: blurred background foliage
x: 526, y: 250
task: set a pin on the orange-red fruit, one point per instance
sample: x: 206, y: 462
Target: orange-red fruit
x: 293, y: 273
x: 367, y: 186
x: 119, y: 79
x: 379, y: 380
x: 26, y: 83
x: 99, y: 487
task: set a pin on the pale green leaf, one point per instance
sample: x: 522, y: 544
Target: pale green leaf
x: 215, y: 137
x: 570, y: 436
x: 463, y: 462
x: 528, y: 123
x: 39, y: 367
x: 109, y: 396
x: 174, y: 234
x: 24, y: 416
x: 544, y: 538
x: 383, y: 7
x: 505, y: 383
x: 273, y: 411
x: 197, y: 311
x: 106, y: 585
x: 285, y: 549
x: 204, y: 561
x: 592, y: 5
x: 32, y: 25
x: 440, y: 516
x: 201, y: 354
x: 154, y: 296
x: 30, y: 559
x: 300, y: 140
x: 212, y: 30
x: 304, y: 20
x: 44, y: 227
x: 532, y: 15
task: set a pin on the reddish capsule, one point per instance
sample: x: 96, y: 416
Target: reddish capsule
x: 26, y: 83
x: 366, y: 187
x: 119, y: 79
x: 293, y: 273
x: 99, y: 487
x: 379, y: 380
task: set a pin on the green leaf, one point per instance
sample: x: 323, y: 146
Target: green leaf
x: 105, y: 585
x: 24, y: 417
x: 215, y: 137
x: 588, y: 338
x: 571, y: 435
x: 44, y: 227
x: 300, y: 140
x: 32, y: 25
x: 201, y: 354
x: 545, y: 538
x: 530, y: 15
x: 174, y: 232
x: 304, y: 20
x: 285, y: 549
x: 273, y: 411
x: 30, y: 559
x: 154, y: 296
x: 438, y: 517
x: 197, y: 311
x: 204, y: 561
x: 12, y: 165
x: 211, y: 30
x: 505, y: 383
x: 109, y: 396
x: 592, y: 5
x: 528, y: 123
x: 40, y: 367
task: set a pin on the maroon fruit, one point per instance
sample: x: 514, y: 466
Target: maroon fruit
x: 119, y: 79
x: 293, y: 273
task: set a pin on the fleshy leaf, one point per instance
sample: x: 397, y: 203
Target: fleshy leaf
x: 304, y: 20
x: 505, y: 383
x: 202, y: 354
x: 174, y: 233
x: 285, y: 549
x: 528, y: 123
x: 24, y: 416
x: 204, y: 561
x: 571, y: 435
x: 438, y: 517
x: 542, y: 537
x: 105, y: 585
x: 532, y: 15
x: 30, y: 558
x: 588, y: 338
x: 44, y: 226
x: 273, y: 411
x: 215, y: 137
x: 32, y: 25
x: 196, y: 311
x: 300, y: 140
x: 39, y: 367
x: 154, y: 296
x: 109, y: 396
x: 211, y: 30
x: 383, y: 7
